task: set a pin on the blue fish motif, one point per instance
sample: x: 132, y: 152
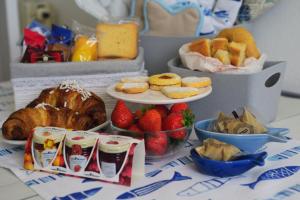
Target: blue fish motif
x: 79, y: 195
x: 142, y: 191
x: 87, y: 180
x: 203, y: 186
x: 277, y: 173
x: 174, y: 163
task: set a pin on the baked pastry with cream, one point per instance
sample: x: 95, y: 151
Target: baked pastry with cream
x: 135, y: 79
x: 179, y: 92
x: 158, y: 81
x: 132, y: 88
x: 194, y: 81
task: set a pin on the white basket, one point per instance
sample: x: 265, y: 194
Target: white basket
x: 27, y: 89
x: 28, y: 80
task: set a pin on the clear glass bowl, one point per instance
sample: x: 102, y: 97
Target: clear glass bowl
x: 159, y: 145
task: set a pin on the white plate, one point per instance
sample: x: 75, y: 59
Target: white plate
x: 12, y: 142
x: 154, y: 97
x: 101, y: 126
x: 23, y: 142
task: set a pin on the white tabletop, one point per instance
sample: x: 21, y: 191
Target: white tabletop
x: 288, y: 116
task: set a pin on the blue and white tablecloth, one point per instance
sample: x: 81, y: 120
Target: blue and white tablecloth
x: 175, y: 178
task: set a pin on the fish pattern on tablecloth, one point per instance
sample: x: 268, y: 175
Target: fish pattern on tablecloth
x: 291, y: 152
x: 147, y: 189
x: 204, y: 186
x: 79, y: 195
x: 278, y: 173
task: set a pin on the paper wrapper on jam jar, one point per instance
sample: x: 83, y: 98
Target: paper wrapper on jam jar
x: 196, y: 61
x: 121, y: 159
x: 44, y: 148
x: 109, y: 158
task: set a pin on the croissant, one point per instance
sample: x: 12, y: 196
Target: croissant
x: 70, y: 95
x: 20, y: 123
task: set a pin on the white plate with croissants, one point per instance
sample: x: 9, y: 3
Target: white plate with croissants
x: 66, y: 106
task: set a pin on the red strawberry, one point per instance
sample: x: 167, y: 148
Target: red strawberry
x: 134, y: 128
x: 163, y: 110
x: 151, y: 121
x: 121, y: 115
x: 178, y: 120
x: 179, y: 107
x: 157, y: 144
x: 138, y: 114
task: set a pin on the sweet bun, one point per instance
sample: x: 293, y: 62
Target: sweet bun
x: 218, y: 44
x: 237, y: 53
x: 201, y: 46
x: 165, y: 79
x: 135, y: 79
x: 179, y: 92
x: 132, y: 88
x: 241, y: 35
x: 197, y: 82
x: 223, y: 56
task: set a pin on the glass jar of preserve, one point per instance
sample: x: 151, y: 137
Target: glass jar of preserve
x: 112, y: 152
x: 79, y: 146
x: 45, y: 144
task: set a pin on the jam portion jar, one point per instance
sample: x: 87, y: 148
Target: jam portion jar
x: 112, y: 152
x: 78, y: 148
x: 45, y: 143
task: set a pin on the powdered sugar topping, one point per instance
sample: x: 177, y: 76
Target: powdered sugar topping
x: 74, y: 86
x: 43, y: 106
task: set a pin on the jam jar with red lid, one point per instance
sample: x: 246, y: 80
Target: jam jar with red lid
x: 45, y: 143
x: 78, y: 148
x: 112, y: 153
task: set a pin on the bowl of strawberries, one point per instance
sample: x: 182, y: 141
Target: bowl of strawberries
x: 164, y: 129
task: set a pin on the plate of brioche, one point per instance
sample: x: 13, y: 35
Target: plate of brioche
x: 66, y: 106
x: 166, y: 88
x: 233, y: 50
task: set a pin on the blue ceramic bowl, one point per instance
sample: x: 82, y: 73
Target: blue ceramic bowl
x: 228, y: 168
x: 248, y: 143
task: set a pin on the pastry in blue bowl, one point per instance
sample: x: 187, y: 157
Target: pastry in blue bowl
x: 244, y: 131
x: 249, y: 143
x: 220, y: 159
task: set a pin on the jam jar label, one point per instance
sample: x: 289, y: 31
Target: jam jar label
x: 108, y: 169
x: 47, y: 156
x: 77, y: 162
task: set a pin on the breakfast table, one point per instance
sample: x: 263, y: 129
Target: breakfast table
x: 11, y: 187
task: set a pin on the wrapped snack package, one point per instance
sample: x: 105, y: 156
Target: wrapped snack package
x: 245, y: 124
x: 34, y: 39
x: 216, y: 150
x: 34, y: 55
x: 85, y: 49
x: 61, y: 40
